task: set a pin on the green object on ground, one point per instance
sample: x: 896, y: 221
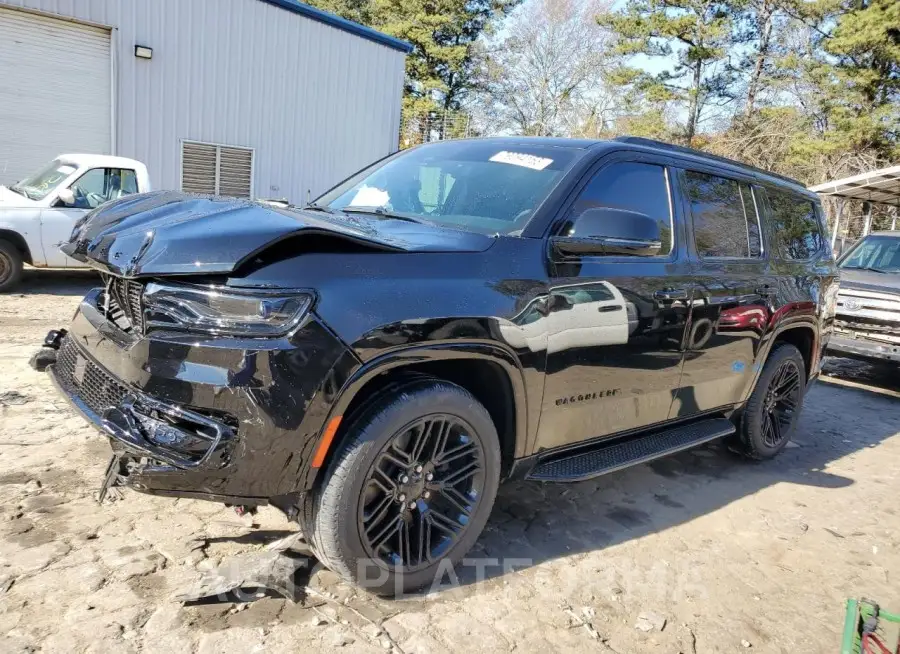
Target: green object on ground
x: 861, y: 611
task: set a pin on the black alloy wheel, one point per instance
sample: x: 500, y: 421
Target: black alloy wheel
x: 421, y: 491
x: 772, y: 412
x: 781, y: 402
x: 410, y: 488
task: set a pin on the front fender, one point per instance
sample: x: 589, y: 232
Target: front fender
x: 410, y: 356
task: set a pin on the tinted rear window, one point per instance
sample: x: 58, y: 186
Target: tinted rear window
x: 794, y: 226
x: 724, y: 216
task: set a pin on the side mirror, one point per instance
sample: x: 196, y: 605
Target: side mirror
x: 66, y: 197
x: 606, y: 231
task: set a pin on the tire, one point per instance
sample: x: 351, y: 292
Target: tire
x: 336, y: 522
x: 10, y: 266
x: 761, y: 433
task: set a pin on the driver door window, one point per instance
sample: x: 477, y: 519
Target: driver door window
x: 634, y: 186
x: 99, y: 185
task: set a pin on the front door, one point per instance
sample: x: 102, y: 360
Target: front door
x: 615, y: 325
x: 731, y: 306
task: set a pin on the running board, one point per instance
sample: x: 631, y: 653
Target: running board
x: 620, y: 454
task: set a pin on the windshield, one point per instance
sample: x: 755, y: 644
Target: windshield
x: 477, y: 186
x: 39, y: 185
x: 876, y: 253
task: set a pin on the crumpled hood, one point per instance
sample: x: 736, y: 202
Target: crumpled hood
x: 171, y: 233
x: 866, y: 280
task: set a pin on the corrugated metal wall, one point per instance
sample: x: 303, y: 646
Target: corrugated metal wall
x: 55, y: 91
x: 316, y: 103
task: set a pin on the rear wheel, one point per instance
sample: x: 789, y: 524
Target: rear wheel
x: 10, y: 266
x: 411, y: 490
x: 771, y: 414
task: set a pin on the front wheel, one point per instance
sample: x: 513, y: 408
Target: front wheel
x: 771, y: 414
x: 410, y: 491
x: 10, y: 266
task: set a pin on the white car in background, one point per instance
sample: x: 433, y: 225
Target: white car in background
x: 40, y: 211
x: 571, y: 320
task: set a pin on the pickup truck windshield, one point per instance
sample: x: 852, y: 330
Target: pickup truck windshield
x: 475, y: 186
x: 874, y: 253
x: 39, y: 185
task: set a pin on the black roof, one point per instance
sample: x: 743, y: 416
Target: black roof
x: 707, y: 156
x: 651, y: 145
x: 547, y: 141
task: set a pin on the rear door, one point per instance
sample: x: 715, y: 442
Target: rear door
x: 734, y: 289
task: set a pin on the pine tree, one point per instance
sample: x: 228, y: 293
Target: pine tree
x: 693, y: 35
x: 440, y: 69
x: 864, y: 88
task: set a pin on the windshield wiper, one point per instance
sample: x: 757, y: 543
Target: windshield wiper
x: 379, y: 211
x: 322, y: 208
x: 15, y: 189
x: 869, y: 268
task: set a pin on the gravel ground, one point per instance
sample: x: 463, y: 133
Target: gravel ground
x: 702, y: 552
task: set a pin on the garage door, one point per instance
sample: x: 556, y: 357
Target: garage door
x: 54, y: 91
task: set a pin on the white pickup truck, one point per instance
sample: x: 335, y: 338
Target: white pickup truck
x: 39, y: 212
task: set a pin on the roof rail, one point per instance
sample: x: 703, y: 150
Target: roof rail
x: 652, y: 143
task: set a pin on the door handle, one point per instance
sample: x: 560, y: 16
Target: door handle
x: 671, y: 294
x: 609, y: 308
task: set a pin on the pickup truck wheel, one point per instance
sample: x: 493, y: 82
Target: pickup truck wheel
x: 774, y: 406
x: 10, y: 266
x: 410, y: 491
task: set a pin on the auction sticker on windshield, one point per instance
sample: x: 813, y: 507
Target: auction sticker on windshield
x: 369, y: 196
x: 522, y: 159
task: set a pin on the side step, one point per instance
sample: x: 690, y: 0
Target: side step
x: 620, y: 454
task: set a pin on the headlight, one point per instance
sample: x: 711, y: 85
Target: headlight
x: 224, y: 311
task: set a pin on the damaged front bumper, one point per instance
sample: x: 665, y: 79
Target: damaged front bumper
x: 147, y: 436
x: 228, y: 420
x: 167, y: 433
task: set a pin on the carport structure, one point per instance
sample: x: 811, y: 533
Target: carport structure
x: 873, y: 187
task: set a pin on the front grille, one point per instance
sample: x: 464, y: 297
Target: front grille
x: 879, y: 333
x: 86, y: 380
x: 122, y: 301
x: 872, y: 315
x: 862, y: 300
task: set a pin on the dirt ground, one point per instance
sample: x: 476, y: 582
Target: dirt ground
x: 702, y: 552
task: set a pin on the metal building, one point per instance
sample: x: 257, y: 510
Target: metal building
x: 261, y: 98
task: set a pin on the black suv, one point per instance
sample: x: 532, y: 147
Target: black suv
x: 461, y: 313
